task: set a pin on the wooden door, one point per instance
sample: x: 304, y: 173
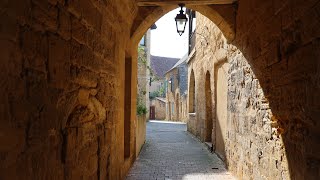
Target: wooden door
x: 152, y: 112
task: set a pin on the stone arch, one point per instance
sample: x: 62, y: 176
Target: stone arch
x: 279, y: 39
x: 140, y: 27
x: 273, y: 52
x: 222, y: 16
x: 192, y: 93
x: 209, y: 114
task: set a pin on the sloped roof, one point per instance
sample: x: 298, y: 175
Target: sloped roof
x: 161, y: 99
x: 183, y: 59
x: 160, y: 65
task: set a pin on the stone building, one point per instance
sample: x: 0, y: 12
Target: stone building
x: 176, y: 91
x: 144, y: 69
x: 68, y: 86
x: 160, y: 65
x: 143, y: 88
x: 159, y: 104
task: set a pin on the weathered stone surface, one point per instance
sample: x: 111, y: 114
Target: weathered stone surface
x: 176, y: 94
x: 46, y: 133
x: 160, y: 108
x: 59, y: 105
x: 256, y: 138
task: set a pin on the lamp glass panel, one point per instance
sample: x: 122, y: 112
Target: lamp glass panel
x: 181, y: 24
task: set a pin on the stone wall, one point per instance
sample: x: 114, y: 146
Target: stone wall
x: 63, y: 96
x: 143, y: 80
x: 183, y: 78
x: 253, y: 138
x: 171, y: 94
x: 184, y: 108
x: 143, y: 77
x: 280, y: 40
x: 175, y: 96
x: 160, y: 108
x: 143, y: 74
x: 140, y: 133
x: 209, y: 50
x: 62, y: 69
x: 247, y: 137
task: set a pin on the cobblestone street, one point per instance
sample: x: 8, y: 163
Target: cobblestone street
x: 171, y: 153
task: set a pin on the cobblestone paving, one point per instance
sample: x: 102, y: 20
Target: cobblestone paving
x: 171, y: 153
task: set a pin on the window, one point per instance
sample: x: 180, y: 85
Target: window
x: 171, y: 79
x: 194, y: 24
x: 150, y: 81
x: 166, y: 86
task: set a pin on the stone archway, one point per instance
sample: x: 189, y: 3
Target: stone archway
x: 222, y: 14
x: 267, y: 57
x: 192, y: 94
x: 55, y: 49
x: 209, y: 108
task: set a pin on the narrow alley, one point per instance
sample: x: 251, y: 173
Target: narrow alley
x: 170, y: 152
x: 80, y: 80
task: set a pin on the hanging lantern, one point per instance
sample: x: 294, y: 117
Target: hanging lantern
x: 181, y: 21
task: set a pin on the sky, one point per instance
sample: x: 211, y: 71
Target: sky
x: 165, y: 41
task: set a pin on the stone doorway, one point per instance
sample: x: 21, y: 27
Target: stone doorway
x: 152, y: 112
x: 192, y: 96
x: 209, y: 120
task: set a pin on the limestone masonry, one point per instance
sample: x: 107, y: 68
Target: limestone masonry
x: 69, y: 85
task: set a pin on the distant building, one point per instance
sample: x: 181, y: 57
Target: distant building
x: 160, y: 108
x: 176, y: 91
x: 143, y: 69
x: 160, y: 65
x: 143, y: 73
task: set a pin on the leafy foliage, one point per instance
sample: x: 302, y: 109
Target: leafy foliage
x: 154, y: 95
x: 160, y: 93
x: 142, y: 58
x: 141, y: 106
x: 141, y: 109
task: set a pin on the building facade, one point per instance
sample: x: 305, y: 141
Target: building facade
x: 176, y: 91
x: 159, y: 105
x: 143, y: 102
x: 160, y: 65
x: 158, y: 84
